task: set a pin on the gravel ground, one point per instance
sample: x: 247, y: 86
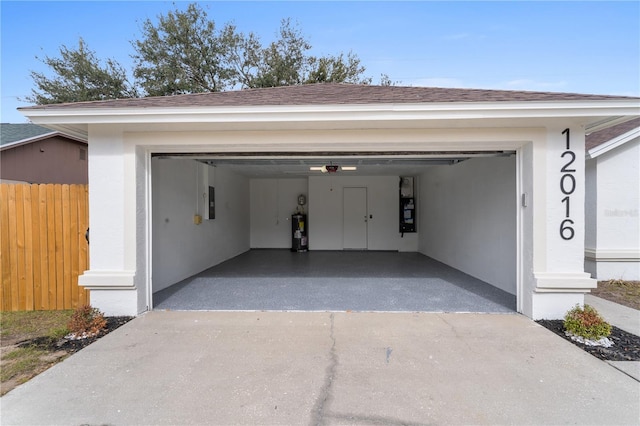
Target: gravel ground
x: 626, y: 346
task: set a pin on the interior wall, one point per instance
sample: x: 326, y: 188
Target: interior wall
x: 468, y: 218
x: 326, y: 212
x: 180, y: 247
x: 273, y: 201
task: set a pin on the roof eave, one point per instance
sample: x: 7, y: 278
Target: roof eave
x: 68, y: 118
x: 613, y: 143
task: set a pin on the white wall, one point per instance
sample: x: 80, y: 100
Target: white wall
x: 612, y: 242
x: 468, y: 218
x: 180, y: 247
x: 326, y: 212
x: 273, y: 201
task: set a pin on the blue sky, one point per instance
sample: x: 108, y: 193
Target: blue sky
x: 572, y: 46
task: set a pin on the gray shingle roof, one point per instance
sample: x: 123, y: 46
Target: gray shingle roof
x: 10, y: 133
x: 331, y: 94
x: 598, y: 138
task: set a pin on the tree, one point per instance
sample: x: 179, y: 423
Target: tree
x: 283, y: 62
x: 332, y: 69
x: 286, y: 62
x: 186, y: 53
x: 79, y: 76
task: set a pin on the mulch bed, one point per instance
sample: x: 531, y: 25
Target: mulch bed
x: 72, y: 346
x: 626, y: 346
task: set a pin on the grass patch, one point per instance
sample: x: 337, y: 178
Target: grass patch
x: 21, y: 361
x: 31, y: 324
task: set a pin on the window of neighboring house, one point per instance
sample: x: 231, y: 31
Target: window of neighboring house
x: 83, y: 154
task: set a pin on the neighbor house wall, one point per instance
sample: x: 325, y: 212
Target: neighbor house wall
x: 614, y: 251
x: 180, y: 247
x: 273, y: 201
x: 52, y: 160
x: 326, y: 212
x: 468, y: 218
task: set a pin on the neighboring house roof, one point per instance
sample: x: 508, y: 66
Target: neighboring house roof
x: 13, y: 135
x: 330, y: 94
x: 10, y: 133
x: 605, y: 140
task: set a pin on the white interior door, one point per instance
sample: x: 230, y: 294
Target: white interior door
x: 354, y: 230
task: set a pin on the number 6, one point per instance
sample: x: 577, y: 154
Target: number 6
x: 567, y: 229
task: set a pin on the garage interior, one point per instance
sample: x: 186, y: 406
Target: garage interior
x: 222, y: 231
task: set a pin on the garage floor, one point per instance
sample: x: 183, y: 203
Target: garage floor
x: 280, y: 280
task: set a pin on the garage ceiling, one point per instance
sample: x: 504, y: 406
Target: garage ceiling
x: 290, y: 165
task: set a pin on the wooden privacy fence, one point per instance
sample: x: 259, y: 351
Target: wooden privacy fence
x: 43, y: 246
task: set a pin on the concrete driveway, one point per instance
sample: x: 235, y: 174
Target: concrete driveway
x: 327, y: 368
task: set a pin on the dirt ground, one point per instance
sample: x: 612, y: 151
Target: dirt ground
x: 625, y: 293
x: 26, y: 350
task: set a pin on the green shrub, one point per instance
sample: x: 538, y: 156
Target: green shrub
x: 586, y: 322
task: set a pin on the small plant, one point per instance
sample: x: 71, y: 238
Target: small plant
x: 86, y: 321
x: 587, y: 323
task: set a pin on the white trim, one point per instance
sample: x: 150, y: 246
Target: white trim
x: 149, y: 234
x: 613, y: 143
x: 74, y: 120
x: 612, y: 255
x: 107, y: 280
x: 519, y: 229
x: 563, y: 282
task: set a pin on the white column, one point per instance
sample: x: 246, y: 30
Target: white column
x: 558, y: 224
x: 112, y: 247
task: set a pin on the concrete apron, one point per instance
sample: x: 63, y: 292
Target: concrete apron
x: 327, y: 368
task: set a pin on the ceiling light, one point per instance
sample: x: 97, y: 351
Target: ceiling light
x: 330, y: 168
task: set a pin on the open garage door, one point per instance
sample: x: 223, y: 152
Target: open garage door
x: 208, y: 209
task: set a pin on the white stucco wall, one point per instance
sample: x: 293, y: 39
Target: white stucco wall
x: 468, y: 218
x: 181, y: 248
x: 551, y: 274
x: 326, y: 212
x: 273, y: 201
x: 612, y: 242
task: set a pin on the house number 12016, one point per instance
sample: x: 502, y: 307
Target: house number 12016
x: 567, y: 187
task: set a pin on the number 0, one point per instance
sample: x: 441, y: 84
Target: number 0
x: 571, y: 185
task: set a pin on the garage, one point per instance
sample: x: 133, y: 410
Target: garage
x: 498, y: 181
x: 371, y: 204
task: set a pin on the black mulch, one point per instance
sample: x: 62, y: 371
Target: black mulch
x: 72, y: 346
x: 626, y: 346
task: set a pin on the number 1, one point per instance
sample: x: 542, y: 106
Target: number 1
x: 567, y: 131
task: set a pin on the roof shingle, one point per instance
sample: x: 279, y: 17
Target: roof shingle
x: 330, y: 94
x: 10, y: 132
x: 601, y: 136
